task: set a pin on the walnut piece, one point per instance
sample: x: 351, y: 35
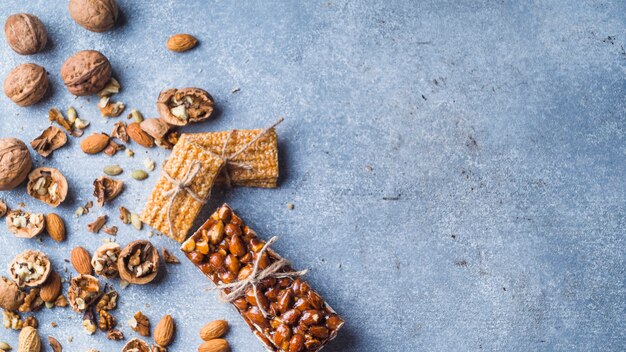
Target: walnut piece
x: 97, y: 224
x: 11, y: 320
x: 32, y: 301
x: 168, y: 257
x: 108, y: 301
x: 47, y: 185
x: 94, y: 15
x: 26, y: 84
x: 106, y: 321
x: 115, y: 335
x: 139, y: 262
x: 119, y: 131
x: 86, y: 72
x: 140, y: 324
x: 31, y: 321
x: 25, y: 33
x: 51, y: 139
x: 83, y: 291
x: 181, y: 106
x: 106, y: 189
x: 30, y: 268
x: 104, y: 260
x: 16, y: 163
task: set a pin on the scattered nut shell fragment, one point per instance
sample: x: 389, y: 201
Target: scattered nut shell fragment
x: 24, y: 224
x: 26, y: 84
x: 180, y: 107
x: 51, y: 139
x: 181, y: 42
x: 25, y: 33
x: 140, y: 323
x: 3, y: 208
x: 11, y: 297
x: 106, y: 189
x: 16, y: 163
x: 47, y: 185
x: 104, y: 260
x: 139, y: 262
x: 83, y: 291
x: 94, y: 15
x: 55, y: 344
x: 30, y: 268
x: 86, y: 72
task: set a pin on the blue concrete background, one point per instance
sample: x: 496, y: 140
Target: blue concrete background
x: 458, y: 168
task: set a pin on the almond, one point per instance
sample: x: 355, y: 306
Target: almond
x: 164, y: 331
x: 215, y: 345
x: 81, y: 260
x: 181, y: 42
x: 139, y: 136
x: 214, y: 330
x: 55, y: 227
x: 94, y: 143
x: 51, y: 288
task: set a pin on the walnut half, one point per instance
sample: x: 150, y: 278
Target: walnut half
x: 83, y: 291
x: 30, y: 268
x: 180, y: 107
x: 138, y: 263
x: 104, y: 260
x: 25, y: 225
x: 47, y: 185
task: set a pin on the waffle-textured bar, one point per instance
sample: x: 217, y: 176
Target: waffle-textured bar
x: 298, y: 319
x: 261, y: 158
x: 184, y: 207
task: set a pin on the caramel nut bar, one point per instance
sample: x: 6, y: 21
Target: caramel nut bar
x: 225, y: 249
x: 261, y: 157
x: 185, y: 207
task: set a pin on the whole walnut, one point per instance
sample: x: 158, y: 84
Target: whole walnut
x: 15, y: 163
x: 86, y: 72
x: 25, y: 33
x: 26, y: 84
x: 94, y: 15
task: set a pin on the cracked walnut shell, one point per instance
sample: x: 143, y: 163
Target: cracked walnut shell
x: 24, y: 224
x: 94, y: 15
x: 26, y: 84
x: 136, y: 345
x: 30, y: 268
x: 86, y: 72
x: 138, y: 263
x: 47, y: 185
x: 51, y: 139
x: 180, y: 107
x: 104, y: 260
x: 25, y: 33
x: 106, y: 189
x: 15, y: 163
x: 83, y: 291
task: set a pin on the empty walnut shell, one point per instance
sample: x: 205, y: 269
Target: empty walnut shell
x: 179, y: 107
x: 139, y: 262
x: 25, y: 225
x: 15, y: 163
x: 94, y: 15
x: 11, y: 297
x: 83, y: 292
x: 104, y: 260
x: 30, y: 268
x: 86, y: 72
x: 47, y: 185
x: 26, y: 84
x: 136, y: 345
x: 25, y: 33
x: 105, y: 189
x: 156, y: 128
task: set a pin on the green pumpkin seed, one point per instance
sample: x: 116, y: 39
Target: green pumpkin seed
x: 139, y: 175
x: 113, y: 170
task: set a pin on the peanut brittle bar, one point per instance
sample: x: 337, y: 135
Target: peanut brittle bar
x: 199, y: 168
x: 260, y: 157
x: 298, y: 319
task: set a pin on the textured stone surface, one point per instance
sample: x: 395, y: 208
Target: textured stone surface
x: 457, y: 167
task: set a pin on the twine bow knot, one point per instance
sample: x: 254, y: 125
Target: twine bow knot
x: 238, y: 288
x: 180, y: 186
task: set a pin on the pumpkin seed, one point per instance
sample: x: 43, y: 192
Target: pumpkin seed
x: 139, y: 175
x: 71, y: 115
x: 113, y: 170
